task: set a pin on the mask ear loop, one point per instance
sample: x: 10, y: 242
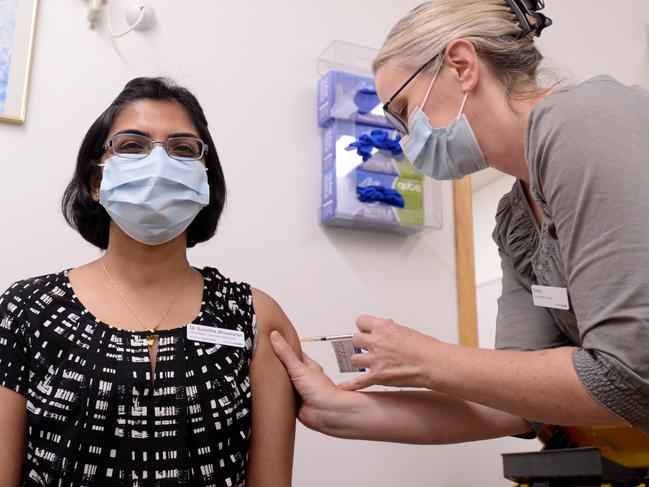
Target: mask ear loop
x: 466, y: 94
x: 423, y: 103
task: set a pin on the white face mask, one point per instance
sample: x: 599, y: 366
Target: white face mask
x: 449, y: 152
x: 154, y: 199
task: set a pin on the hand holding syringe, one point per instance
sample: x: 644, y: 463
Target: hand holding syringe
x: 343, y: 348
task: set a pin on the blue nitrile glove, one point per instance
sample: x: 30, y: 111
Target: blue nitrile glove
x: 366, y: 99
x: 377, y: 138
x: 370, y: 194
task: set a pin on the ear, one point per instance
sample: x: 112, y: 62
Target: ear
x: 462, y: 58
x: 95, y: 183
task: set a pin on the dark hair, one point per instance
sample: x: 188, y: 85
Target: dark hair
x: 87, y: 216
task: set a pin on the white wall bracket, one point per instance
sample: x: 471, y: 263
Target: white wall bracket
x: 139, y: 15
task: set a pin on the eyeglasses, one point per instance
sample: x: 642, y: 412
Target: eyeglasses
x: 137, y: 146
x: 390, y: 114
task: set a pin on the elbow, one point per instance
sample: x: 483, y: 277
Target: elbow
x: 617, y: 396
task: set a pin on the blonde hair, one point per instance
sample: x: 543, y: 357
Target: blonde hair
x: 490, y: 25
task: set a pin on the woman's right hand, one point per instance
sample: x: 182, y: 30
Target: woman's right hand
x: 321, y: 399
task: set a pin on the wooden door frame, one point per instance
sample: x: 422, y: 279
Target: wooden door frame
x: 465, y: 263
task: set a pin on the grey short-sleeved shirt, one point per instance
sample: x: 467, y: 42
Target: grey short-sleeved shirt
x: 587, y: 148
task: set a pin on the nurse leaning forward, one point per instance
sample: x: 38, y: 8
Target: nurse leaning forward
x: 459, y: 80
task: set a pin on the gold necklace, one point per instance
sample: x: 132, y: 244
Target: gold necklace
x: 151, y: 329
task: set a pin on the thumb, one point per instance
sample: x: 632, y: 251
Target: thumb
x: 360, y: 382
x: 310, y: 363
x: 286, y: 354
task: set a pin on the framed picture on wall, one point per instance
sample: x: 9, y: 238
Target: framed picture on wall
x: 17, y: 21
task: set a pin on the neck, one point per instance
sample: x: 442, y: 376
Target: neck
x: 504, y: 144
x: 145, y: 265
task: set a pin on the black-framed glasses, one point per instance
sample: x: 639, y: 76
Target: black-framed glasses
x: 138, y: 146
x: 390, y: 114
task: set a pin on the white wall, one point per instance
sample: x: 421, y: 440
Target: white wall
x: 252, y: 65
x: 591, y: 37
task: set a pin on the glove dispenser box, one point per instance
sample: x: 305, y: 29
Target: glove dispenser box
x: 367, y: 183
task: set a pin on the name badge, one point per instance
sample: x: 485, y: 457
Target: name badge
x: 218, y: 336
x: 550, y: 297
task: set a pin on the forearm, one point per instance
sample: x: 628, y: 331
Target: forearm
x: 416, y: 417
x: 541, y: 385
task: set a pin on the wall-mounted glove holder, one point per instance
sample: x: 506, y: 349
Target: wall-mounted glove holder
x: 349, y: 175
x: 366, y: 181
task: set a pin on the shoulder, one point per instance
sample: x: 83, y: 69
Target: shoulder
x: 219, y: 282
x: 23, y: 301
x: 221, y: 288
x: 34, y: 288
x: 589, y: 127
x: 585, y: 111
x: 601, y: 96
x: 270, y: 315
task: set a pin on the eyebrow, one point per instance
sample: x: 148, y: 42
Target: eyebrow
x: 147, y: 134
x: 184, y: 134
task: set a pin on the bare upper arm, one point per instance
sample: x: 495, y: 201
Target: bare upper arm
x: 270, y: 316
x: 13, y: 434
x: 274, y: 400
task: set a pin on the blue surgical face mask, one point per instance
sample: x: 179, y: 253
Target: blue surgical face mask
x: 450, y: 152
x: 153, y: 199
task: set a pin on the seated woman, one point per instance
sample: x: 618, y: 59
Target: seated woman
x: 137, y: 368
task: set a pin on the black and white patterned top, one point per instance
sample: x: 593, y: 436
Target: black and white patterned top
x: 96, y: 417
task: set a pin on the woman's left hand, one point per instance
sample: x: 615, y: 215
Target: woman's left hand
x: 396, y: 355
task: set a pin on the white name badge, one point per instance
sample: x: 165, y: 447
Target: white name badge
x: 219, y: 336
x: 550, y: 297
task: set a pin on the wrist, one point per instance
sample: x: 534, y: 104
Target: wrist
x: 342, y: 415
x: 431, y: 364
